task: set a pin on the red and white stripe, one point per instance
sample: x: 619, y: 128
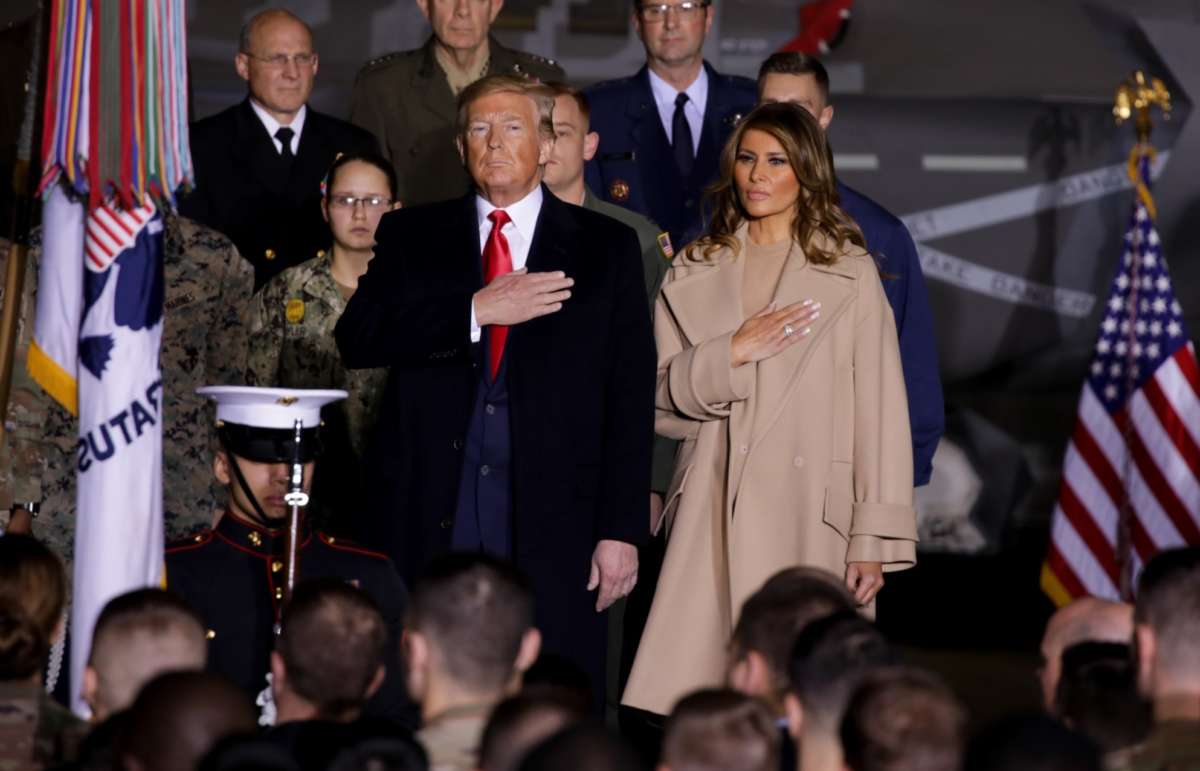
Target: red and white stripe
x: 1146, y: 457
x: 110, y: 231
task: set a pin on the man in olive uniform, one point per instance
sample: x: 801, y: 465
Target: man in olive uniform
x: 407, y: 99
x: 234, y: 575
x: 207, y: 290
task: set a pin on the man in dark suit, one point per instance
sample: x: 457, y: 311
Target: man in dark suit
x: 518, y: 416
x: 795, y: 77
x: 644, y: 163
x: 259, y: 164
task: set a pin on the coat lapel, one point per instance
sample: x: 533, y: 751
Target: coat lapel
x: 655, y: 161
x: 429, y: 82
x: 254, y: 149
x: 312, y: 157
x: 707, y: 303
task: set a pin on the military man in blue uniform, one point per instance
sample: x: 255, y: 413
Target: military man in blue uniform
x: 662, y: 130
x: 795, y: 77
x: 234, y: 575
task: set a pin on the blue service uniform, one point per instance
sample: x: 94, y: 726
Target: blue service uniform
x: 904, y: 284
x: 234, y: 576
x: 634, y: 165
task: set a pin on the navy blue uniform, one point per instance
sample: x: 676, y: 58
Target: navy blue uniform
x: 634, y: 165
x: 904, y: 284
x: 234, y: 577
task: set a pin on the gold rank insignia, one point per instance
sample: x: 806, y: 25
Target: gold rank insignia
x: 619, y: 191
x: 294, y: 311
x: 664, y: 243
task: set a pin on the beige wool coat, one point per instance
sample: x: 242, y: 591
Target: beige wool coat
x: 801, y: 459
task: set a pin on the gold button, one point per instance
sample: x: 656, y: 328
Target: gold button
x: 198, y: 538
x: 211, y: 634
x: 269, y: 254
x: 331, y: 540
x: 320, y: 252
x: 279, y: 592
x: 255, y: 539
x: 276, y: 566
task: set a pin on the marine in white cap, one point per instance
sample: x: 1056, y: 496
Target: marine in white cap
x: 234, y: 574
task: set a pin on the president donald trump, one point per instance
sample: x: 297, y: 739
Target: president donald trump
x: 518, y: 417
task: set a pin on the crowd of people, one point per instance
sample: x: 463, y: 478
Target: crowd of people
x: 554, y: 351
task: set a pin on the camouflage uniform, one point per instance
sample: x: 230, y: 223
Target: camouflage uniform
x: 208, y: 287
x: 292, y: 345
x: 1173, y: 745
x: 35, y: 732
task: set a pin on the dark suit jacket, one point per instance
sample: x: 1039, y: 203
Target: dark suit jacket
x: 580, y: 382
x: 244, y: 189
x: 634, y: 165
x: 888, y: 240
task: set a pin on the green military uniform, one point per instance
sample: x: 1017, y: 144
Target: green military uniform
x: 1173, y: 745
x: 405, y: 99
x: 292, y: 346
x: 35, y: 732
x: 207, y: 291
x: 656, y: 258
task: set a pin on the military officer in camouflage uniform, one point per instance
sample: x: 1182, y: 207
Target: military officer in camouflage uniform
x: 207, y: 291
x: 234, y: 575
x: 407, y: 99
x: 291, y: 324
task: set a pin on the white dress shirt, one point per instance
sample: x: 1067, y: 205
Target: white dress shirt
x: 664, y: 98
x: 522, y: 219
x: 272, y: 125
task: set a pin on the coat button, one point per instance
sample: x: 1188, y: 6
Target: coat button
x: 445, y: 523
x: 279, y: 592
x: 456, y: 444
x: 798, y: 462
x: 744, y: 449
x: 269, y: 254
x: 490, y: 409
x: 276, y: 566
x: 485, y: 470
x: 211, y: 634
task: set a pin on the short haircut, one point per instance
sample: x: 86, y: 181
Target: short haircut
x: 587, y: 746
x: 902, y: 719
x: 381, y: 753
x: 32, y: 581
x: 23, y: 645
x: 795, y: 63
x: 721, y: 730
x: 774, y: 615
x: 558, y: 88
x: 139, y: 635
x: 1033, y: 742
x: 333, y: 641
x: 504, y: 83
x: 521, y: 722
x: 474, y: 610
x: 1098, y: 695
x: 369, y: 158
x: 829, y: 658
x: 246, y: 35
x: 1168, y: 601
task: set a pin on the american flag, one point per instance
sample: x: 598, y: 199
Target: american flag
x: 1131, y: 475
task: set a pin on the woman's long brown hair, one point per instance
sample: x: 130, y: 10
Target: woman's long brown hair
x: 817, y: 211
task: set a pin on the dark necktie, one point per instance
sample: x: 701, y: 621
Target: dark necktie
x: 681, y: 138
x: 497, y: 260
x: 284, y: 135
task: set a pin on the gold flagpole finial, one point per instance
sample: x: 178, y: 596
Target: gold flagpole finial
x: 1134, y: 99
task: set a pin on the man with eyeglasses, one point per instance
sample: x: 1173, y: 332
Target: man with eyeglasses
x: 662, y: 129
x: 407, y: 98
x: 259, y: 164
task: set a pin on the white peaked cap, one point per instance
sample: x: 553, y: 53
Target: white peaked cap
x: 270, y: 407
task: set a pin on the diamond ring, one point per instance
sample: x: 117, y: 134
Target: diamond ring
x: 787, y: 330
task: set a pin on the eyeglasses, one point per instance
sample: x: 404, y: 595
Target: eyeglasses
x: 689, y: 9
x: 368, y: 201
x: 280, y: 61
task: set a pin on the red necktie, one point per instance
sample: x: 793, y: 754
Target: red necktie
x: 497, y: 260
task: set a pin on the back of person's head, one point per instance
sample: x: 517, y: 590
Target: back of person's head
x: 179, y: 717
x: 470, y: 620
x: 586, y: 746
x: 23, y: 646
x: 1086, y: 619
x: 902, y: 719
x: 553, y: 671
x: 1167, y: 622
x: 331, y: 647
x: 382, y: 754
x: 248, y: 753
x: 829, y: 658
x: 32, y: 582
x: 139, y: 635
x: 795, y: 63
x: 720, y: 730
x: 525, y: 720
x: 1098, y: 695
x: 1033, y: 742
x: 769, y: 622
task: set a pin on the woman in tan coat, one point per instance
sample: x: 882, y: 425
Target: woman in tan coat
x: 779, y: 370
